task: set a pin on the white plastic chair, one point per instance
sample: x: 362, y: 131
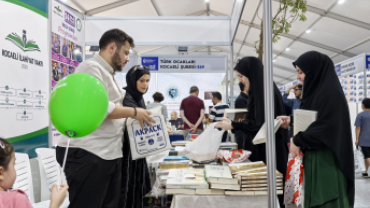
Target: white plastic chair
x: 24, y: 176
x: 49, y: 171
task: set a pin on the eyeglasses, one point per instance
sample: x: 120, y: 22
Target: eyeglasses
x: 297, y: 89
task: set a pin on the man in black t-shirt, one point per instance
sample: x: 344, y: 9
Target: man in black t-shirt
x: 177, y: 122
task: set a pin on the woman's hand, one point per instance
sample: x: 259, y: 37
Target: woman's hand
x: 142, y: 116
x: 294, y: 150
x: 225, y: 124
x: 286, y: 121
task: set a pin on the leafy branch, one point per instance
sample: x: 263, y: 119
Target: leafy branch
x: 288, y: 12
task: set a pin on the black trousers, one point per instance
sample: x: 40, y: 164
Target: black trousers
x: 239, y: 137
x: 93, y: 182
x: 224, y: 136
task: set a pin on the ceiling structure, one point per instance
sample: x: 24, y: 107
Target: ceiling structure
x: 338, y: 28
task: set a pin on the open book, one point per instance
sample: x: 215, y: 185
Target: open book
x: 261, y: 135
x: 235, y: 114
x: 303, y: 119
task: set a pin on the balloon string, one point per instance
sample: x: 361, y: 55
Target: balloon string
x: 65, y: 155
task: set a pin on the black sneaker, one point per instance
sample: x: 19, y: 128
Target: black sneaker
x: 365, y: 175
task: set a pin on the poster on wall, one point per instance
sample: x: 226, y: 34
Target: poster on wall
x: 175, y: 87
x: 67, y: 41
x: 24, y: 75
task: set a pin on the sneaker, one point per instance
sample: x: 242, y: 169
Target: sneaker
x: 365, y: 175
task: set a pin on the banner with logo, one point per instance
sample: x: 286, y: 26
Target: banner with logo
x: 185, y: 64
x: 24, y: 74
x: 67, y: 42
x: 351, y: 66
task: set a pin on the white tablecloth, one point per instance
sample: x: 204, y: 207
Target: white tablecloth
x: 205, y: 201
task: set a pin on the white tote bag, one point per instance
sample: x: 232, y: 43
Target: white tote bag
x: 205, y: 146
x: 150, y: 140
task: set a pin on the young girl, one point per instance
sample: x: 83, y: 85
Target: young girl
x: 18, y: 198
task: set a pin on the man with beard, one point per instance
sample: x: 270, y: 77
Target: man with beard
x: 94, y: 162
x: 293, y: 103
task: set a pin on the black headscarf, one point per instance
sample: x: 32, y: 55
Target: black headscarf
x: 134, y: 74
x: 252, y: 68
x: 323, y: 93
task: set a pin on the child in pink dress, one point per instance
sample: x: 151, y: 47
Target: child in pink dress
x: 18, y: 198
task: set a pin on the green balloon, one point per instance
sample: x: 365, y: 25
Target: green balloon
x: 78, y: 103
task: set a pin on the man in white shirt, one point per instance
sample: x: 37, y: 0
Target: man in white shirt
x: 93, y: 167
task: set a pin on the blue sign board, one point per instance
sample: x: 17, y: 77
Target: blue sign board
x: 151, y: 62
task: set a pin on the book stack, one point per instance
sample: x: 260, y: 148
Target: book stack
x: 179, y: 143
x: 177, y: 151
x: 185, y: 181
x: 258, y: 181
x: 228, y: 146
x: 220, y: 177
x: 175, y: 158
x: 252, y: 178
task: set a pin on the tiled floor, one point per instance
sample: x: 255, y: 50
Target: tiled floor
x: 362, y: 198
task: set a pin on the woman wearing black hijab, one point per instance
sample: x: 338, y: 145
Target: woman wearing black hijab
x: 135, y: 175
x: 250, y: 73
x: 327, y: 142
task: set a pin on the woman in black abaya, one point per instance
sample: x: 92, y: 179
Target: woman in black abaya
x: 135, y: 175
x: 250, y: 73
x: 327, y: 142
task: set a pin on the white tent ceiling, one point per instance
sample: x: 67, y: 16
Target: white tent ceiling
x: 340, y: 30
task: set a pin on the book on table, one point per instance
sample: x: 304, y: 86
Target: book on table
x: 261, y: 188
x: 174, y: 164
x: 302, y: 119
x: 260, y: 185
x: 257, y: 181
x: 220, y: 175
x: 210, y: 192
x: 174, y: 158
x: 186, y: 179
x: 225, y: 186
x: 228, y: 146
x: 236, y: 167
x: 261, y: 136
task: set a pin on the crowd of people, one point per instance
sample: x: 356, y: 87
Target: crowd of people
x: 101, y: 173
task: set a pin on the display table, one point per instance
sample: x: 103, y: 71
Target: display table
x: 214, y: 201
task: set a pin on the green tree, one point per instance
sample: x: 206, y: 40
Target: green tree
x: 288, y: 12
